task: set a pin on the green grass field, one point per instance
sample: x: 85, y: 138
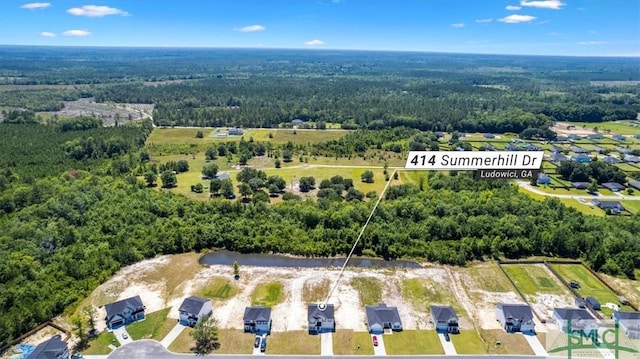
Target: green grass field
x: 632, y: 206
x: 468, y: 342
x: 487, y: 276
x: 100, y: 345
x: 267, y: 294
x: 575, y: 204
x: 590, y: 286
x: 348, y: 342
x: 509, y: 343
x: 293, y: 342
x: 620, y: 127
x: 232, y: 341
x: 156, y: 326
x: 532, y: 279
x: 369, y: 290
x: 422, y: 293
x: 219, y: 289
x: 163, y: 136
x: 413, y: 342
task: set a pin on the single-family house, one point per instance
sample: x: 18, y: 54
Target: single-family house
x: 488, y: 147
x: 624, y: 151
x: 532, y: 147
x: 614, y: 206
x: 629, y: 323
x: 381, y: 317
x: 489, y: 135
x: 515, y: 318
x: 511, y: 147
x: 236, y: 131
x: 257, y: 320
x: 620, y: 138
x: 321, y: 320
x: 635, y: 184
x: 124, y: 312
x: 595, y: 136
x: 543, y: 179
x: 558, y: 157
x: 445, y: 319
x: 631, y: 158
x: 610, y: 160
x: 577, y: 149
x: 223, y: 176
x: 600, y: 149
x: 581, y: 158
x: 613, y: 186
x: 571, y: 319
x: 592, y: 303
x: 580, y: 185
x: 574, y: 137
x: 193, y: 309
x: 54, y: 348
x: 556, y: 149
x: 297, y: 122
x: 561, y: 139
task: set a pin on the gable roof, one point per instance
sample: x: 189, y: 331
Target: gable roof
x: 634, y: 184
x: 257, y: 314
x: 382, y: 314
x: 314, y: 313
x: 49, y: 349
x: 193, y: 305
x: 223, y: 176
x: 627, y: 315
x: 614, y: 186
x: 120, y: 306
x: 517, y: 311
x: 572, y: 314
x: 607, y: 204
x: 443, y: 312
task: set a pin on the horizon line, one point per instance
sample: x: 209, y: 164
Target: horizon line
x: 628, y: 56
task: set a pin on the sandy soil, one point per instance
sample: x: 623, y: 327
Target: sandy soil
x: 108, y: 111
x: 561, y: 128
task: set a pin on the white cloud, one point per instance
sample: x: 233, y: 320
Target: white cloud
x: 47, y: 34
x: 543, y: 4
x: 36, y: 5
x: 514, y: 19
x: 513, y: 7
x: 591, y: 43
x: 250, y: 28
x: 96, y: 11
x: 76, y: 33
x: 483, y: 21
x: 458, y: 25
x: 314, y: 42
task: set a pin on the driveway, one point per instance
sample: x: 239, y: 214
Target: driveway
x: 448, y: 347
x: 326, y: 344
x: 119, y: 333
x: 256, y: 351
x: 535, y: 344
x: 172, y: 335
x: 379, y: 350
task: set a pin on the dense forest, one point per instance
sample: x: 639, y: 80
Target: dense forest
x: 265, y: 88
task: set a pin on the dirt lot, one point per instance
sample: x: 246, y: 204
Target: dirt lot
x: 107, y: 111
x: 561, y: 127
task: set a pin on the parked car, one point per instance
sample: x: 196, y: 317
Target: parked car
x: 256, y: 343
x: 375, y: 341
x: 447, y: 337
x: 263, y: 345
x: 125, y: 336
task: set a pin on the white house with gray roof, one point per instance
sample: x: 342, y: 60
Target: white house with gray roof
x: 515, y: 318
x: 381, y: 317
x: 124, y: 312
x: 193, y: 309
x: 445, y: 319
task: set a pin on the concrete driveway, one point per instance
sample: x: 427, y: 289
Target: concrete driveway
x: 120, y: 334
x: 448, y: 347
x: 380, y: 349
x: 172, y: 335
x: 326, y: 344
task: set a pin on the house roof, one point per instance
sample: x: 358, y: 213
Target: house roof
x: 613, y: 186
x: 607, y: 204
x: 519, y: 311
x: 193, y: 305
x: 49, y: 349
x: 557, y: 157
x: 634, y: 184
x: 626, y: 315
x: 314, y: 313
x: 382, y: 314
x: 443, y: 312
x: 120, y: 306
x: 255, y: 314
x: 223, y: 176
x: 580, y: 184
x: 572, y: 314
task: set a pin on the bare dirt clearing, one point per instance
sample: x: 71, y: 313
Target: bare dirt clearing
x: 109, y: 112
x: 569, y: 129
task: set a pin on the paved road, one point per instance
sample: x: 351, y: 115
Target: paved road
x: 151, y: 349
x: 586, y: 196
x: 172, y: 335
x: 326, y: 344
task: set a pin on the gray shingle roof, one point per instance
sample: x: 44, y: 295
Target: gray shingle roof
x: 118, y: 307
x: 443, y: 312
x: 256, y: 314
x: 49, y: 349
x: 519, y: 311
x: 381, y: 314
x: 193, y: 305
x: 572, y: 314
x: 314, y: 313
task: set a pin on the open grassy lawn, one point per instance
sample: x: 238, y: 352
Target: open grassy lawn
x: 627, y: 167
x: 509, y: 343
x: 293, y: 342
x: 369, y: 290
x: 319, y: 173
x: 174, y: 273
x: 219, y: 289
x: 348, y: 342
x: 413, y: 342
x: 590, y: 286
x: 164, y: 136
x: 267, y: 294
x: 562, y: 191
x: 422, y: 293
x: 183, y: 342
x: 155, y: 326
x: 468, y: 342
x: 569, y: 202
x: 631, y: 206
x: 100, y: 345
x: 620, y: 127
x: 232, y: 341
x: 316, y: 292
x: 488, y: 277
x: 532, y: 279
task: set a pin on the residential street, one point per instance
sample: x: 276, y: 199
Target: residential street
x: 618, y: 197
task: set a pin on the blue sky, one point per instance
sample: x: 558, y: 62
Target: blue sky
x: 544, y: 27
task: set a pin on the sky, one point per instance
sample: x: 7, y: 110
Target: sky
x: 526, y: 27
